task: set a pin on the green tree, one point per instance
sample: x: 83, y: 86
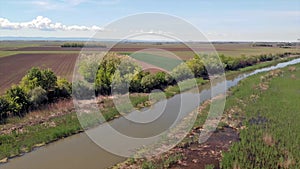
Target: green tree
x: 49, y: 79
x: 135, y: 83
x: 149, y: 82
x: 18, y: 100
x: 105, y: 73
x: 124, y: 74
x: 182, y: 72
x: 4, y: 108
x: 63, y: 88
x: 88, y: 67
x: 36, y: 77
x: 37, y: 96
x: 196, y: 65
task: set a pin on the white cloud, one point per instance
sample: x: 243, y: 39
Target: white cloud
x: 44, y: 23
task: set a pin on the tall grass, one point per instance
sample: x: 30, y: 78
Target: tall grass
x: 271, y: 137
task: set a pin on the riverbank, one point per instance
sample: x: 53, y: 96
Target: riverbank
x: 23, y: 140
x: 259, y: 128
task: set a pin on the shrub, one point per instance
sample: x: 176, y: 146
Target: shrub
x: 182, y: 72
x: 135, y: 83
x: 154, y: 81
x: 88, y: 67
x: 63, y: 88
x: 82, y: 90
x: 4, y: 107
x: 18, y: 100
x: 37, y: 96
x: 36, y: 77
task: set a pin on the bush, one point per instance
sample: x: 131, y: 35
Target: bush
x: 82, y: 90
x: 63, y: 88
x: 36, y: 77
x: 154, y: 81
x: 4, y: 107
x: 196, y: 66
x: 182, y: 72
x: 38, y: 96
x: 107, y: 74
x: 136, y: 82
x: 18, y: 100
x: 88, y: 67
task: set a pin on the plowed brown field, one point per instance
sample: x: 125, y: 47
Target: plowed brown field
x: 13, y: 68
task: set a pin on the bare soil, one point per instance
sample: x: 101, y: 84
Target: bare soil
x: 13, y: 68
x: 197, y: 156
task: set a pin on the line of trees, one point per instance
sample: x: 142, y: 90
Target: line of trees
x: 81, y: 45
x: 235, y: 63
x: 36, y: 88
x: 118, y: 73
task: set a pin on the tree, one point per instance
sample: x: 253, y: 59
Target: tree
x: 88, y: 67
x: 37, y: 96
x: 82, y: 90
x: 135, y: 83
x: 49, y: 79
x: 105, y: 72
x: 196, y: 65
x: 182, y: 72
x: 63, y: 88
x: 149, y: 82
x: 124, y: 74
x: 36, y: 77
x: 115, y: 69
x: 4, y: 108
x: 18, y: 100
x: 154, y: 81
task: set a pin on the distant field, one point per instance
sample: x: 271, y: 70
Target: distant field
x: 13, y: 68
x: 16, y: 57
x: 181, y: 50
x: 156, y: 60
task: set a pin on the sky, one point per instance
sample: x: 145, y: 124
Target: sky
x: 218, y: 20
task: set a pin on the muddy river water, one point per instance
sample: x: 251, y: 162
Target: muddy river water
x: 80, y: 152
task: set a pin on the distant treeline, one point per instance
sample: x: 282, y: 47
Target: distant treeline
x: 262, y: 45
x: 81, y: 45
x: 281, y: 45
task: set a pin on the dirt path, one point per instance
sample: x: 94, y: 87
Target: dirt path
x: 197, y: 156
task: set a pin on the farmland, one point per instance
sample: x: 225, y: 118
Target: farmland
x: 13, y: 68
x: 61, y: 60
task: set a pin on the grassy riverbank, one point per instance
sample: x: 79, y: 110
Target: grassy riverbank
x: 264, y: 110
x: 26, y: 138
x: 269, y: 107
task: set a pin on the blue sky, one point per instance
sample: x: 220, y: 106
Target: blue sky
x: 272, y: 20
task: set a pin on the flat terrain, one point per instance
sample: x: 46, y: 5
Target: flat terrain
x: 16, y: 57
x: 13, y: 68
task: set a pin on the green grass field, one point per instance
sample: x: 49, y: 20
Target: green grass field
x: 269, y: 106
x: 159, y: 61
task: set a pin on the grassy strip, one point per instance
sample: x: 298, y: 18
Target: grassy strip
x: 28, y: 138
x: 269, y: 106
x: 10, y: 53
x: 159, y: 61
